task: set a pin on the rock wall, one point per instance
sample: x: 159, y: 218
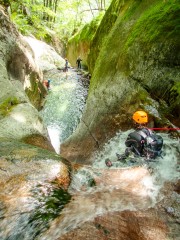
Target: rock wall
x: 27, y: 173
x: 22, y: 91
x: 112, y: 13
x: 79, y: 44
x: 45, y: 55
x: 137, y: 68
x: 24, y: 167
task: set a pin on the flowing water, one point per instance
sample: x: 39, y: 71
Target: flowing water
x: 97, y: 189
x: 64, y: 105
x: 119, y: 188
x: 47, y: 212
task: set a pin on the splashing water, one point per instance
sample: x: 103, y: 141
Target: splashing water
x: 122, y: 187
x: 164, y: 168
x: 94, y: 190
x: 98, y: 189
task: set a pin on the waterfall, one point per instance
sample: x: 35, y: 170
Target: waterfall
x: 64, y: 105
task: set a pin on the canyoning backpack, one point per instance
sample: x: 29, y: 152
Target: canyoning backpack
x: 153, y: 146
x: 144, y: 142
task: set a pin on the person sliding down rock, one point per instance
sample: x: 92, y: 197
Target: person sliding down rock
x: 142, y: 142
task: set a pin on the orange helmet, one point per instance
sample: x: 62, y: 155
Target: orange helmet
x: 140, y: 117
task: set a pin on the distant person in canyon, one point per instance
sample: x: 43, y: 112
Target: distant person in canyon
x: 142, y: 142
x: 46, y: 83
x: 78, y: 62
x: 66, y: 65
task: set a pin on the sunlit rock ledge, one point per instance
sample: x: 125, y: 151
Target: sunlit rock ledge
x: 45, y: 55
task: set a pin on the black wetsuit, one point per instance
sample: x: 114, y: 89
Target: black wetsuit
x: 144, y: 143
x: 79, y: 63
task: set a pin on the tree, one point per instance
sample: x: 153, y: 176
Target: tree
x: 40, y: 17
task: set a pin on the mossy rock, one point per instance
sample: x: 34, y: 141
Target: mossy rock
x: 79, y: 44
x: 7, y: 105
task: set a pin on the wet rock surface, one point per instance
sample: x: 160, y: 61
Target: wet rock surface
x: 38, y: 202
x: 122, y: 203
x: 22, y: 91
x: 33, y: 189
x: 122, y: 226
x: 36, y: 198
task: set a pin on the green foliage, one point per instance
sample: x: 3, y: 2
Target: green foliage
x: 5, y: 3
x: 175, y: 95
x: 90, y: 29
x: 7, y: 105
x: 22, y: 23
x: 176, y: 88
x: 35, y: 17
x: 28, y: 18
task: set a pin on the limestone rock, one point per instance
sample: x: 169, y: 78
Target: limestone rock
x: 46, y: 56
x: 22, y: 91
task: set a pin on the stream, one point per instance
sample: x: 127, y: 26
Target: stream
x: 125, y: 186
x: 42, y: 211
x: 64, y: 105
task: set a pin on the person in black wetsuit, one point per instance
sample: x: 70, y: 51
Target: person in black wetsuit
x: 142, y: 142
x: 66, y: 65
x: 78, y: 62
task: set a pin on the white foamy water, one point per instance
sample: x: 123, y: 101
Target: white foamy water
x: 165, y: 168
x: 122, y: 187
x: 55, y: 136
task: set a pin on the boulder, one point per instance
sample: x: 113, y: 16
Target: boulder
x: 21, y: 83
x: 45, y: 55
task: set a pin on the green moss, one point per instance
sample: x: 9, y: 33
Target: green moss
x: 102, y: 32
x: 7, y: 105
x: 174, y: 99
x: 74, y: 38
x: 143, y: 97
x: 176, y: 88
x: 159, y: 22
x: 48, y: 207
x: 131, y: 10
x: 88, y: 31
x: 52, y: 203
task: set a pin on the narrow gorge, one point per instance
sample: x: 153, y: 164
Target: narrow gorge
x: 54, y: 142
